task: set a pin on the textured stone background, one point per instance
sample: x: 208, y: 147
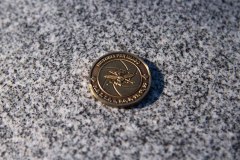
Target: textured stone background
x: 46, y: 51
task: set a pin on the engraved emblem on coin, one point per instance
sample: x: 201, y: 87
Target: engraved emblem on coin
x: 119, y: 79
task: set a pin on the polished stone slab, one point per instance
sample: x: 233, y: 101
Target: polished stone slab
x: 47, y: 49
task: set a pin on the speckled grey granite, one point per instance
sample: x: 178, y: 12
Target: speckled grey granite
x: 46, y: 51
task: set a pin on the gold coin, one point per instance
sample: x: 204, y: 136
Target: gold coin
x: 120, y: 79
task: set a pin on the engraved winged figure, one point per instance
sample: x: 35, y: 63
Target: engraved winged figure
x: 119, y: 77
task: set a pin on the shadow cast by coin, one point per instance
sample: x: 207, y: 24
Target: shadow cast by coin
x: 156, y: 88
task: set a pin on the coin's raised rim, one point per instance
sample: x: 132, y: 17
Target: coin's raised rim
x: 119, y: 105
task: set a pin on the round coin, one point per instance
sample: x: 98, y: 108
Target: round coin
x: 120, y: 79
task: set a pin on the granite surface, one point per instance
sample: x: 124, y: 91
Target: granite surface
x: 47, y: 49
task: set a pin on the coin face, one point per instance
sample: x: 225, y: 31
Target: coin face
x: 120, y: 79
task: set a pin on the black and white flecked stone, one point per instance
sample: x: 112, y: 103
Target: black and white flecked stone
x: 46, y: 51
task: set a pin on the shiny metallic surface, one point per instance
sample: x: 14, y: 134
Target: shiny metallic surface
x: 120, y: 79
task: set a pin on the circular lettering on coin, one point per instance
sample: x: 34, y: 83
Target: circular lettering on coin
x: 120, y: 79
